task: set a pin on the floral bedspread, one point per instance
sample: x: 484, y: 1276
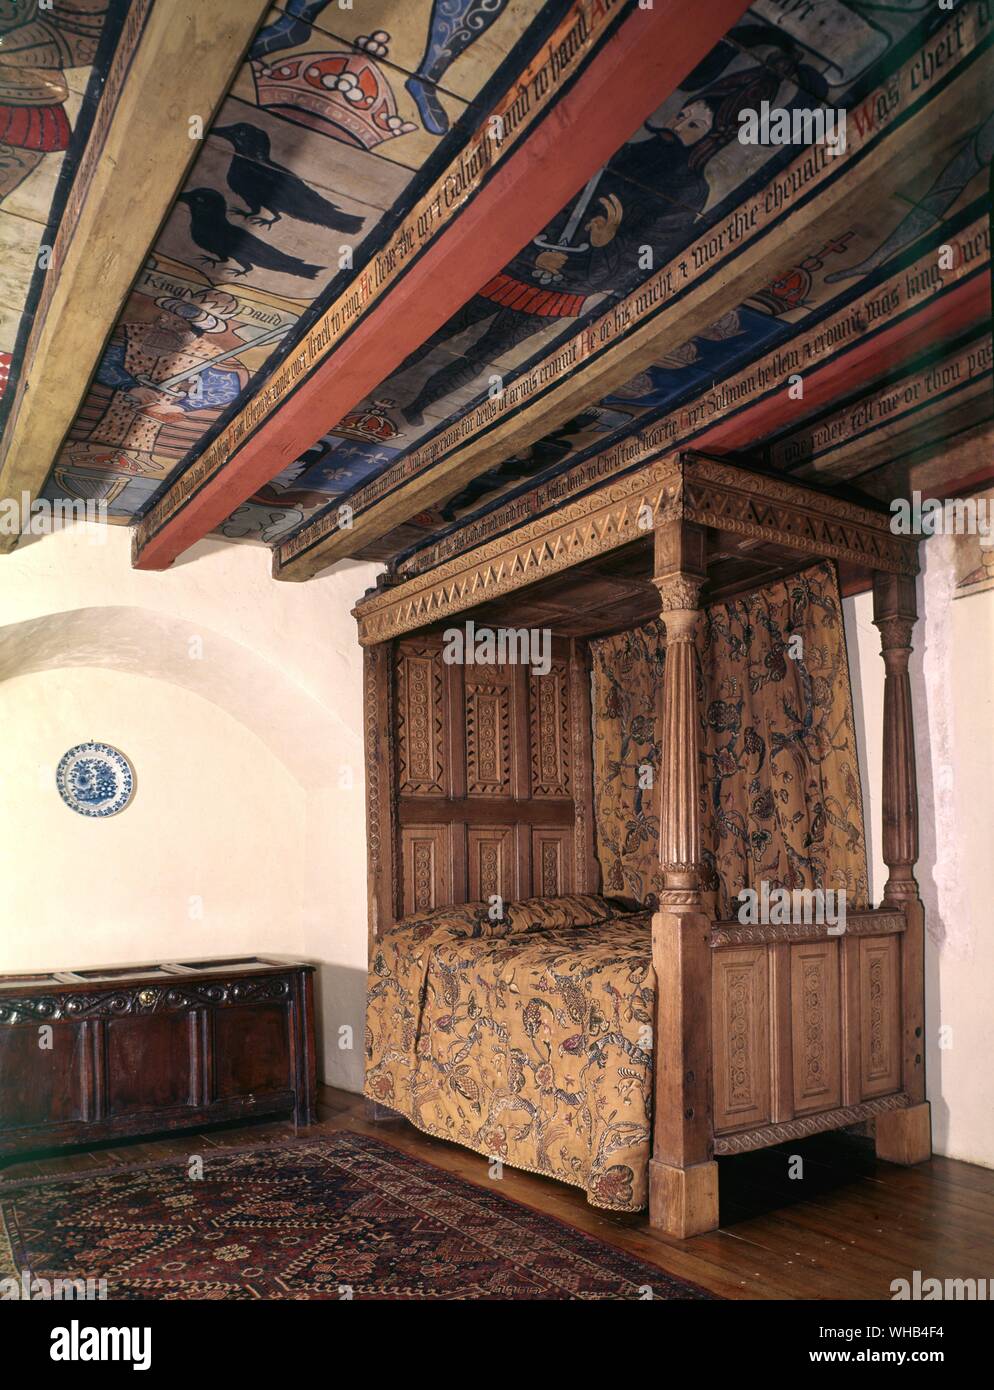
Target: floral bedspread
x: 528, y: 1039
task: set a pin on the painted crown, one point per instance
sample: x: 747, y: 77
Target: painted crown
x: 369, y: 422
x: 346, y: 91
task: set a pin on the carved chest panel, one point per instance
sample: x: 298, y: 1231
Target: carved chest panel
x: 97, y: 1054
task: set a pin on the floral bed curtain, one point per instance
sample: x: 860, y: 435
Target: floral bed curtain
x: 779, y: 780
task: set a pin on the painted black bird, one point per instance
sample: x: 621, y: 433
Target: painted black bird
x: 262, y: 183
x: 211, y: 230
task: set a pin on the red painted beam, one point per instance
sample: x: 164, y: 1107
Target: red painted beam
x: 639, y: 66
x: 940, y: 320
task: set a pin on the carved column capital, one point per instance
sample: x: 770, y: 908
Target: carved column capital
x: 679, y: 594
x: 895, y: 632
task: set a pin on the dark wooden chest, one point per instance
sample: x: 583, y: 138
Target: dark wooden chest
x: 88, y: 1055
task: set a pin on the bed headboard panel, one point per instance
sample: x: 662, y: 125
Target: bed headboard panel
x: 489, y: 771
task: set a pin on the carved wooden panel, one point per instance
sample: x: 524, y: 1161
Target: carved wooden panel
x: 420, y: 721
x: 492, y: 863
x: 491, y: 778
x: 133, y: 1086
x: 427, y: 876
x: 817, y: 1058
x: 42, y: 1085
x: 741, y: 1023
x: 549, y: 723
x: 850, y: 1010
x: 251, y: 1050
x: 781, y: 1033
x: 880, y: 1015
x: 488, y: 696
x: 552, y: 862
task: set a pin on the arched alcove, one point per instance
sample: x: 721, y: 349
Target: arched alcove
x: 310, y: 740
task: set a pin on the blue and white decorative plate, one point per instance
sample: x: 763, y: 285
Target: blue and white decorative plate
x: 95, y: 779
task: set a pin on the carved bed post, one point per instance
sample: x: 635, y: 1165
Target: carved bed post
x: 683, y: 1177
x: 903, y: 1136
x: 381, y: 837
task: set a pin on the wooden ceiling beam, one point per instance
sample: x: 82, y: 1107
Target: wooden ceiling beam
x: 743, y: 410
x: 953, y: 466
x: 176, y: 60
x: 815, y: 198
x: 447, y: 247
x: 960, y: 308
x: 925, y: 403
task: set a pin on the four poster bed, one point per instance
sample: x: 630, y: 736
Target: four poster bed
x: 559, y: 976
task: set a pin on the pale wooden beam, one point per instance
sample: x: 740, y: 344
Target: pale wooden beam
x: 938, y: 398
x: 949, y: 467
x: 176, y: 60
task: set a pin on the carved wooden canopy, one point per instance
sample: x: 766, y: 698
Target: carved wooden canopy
x: 729, y: 500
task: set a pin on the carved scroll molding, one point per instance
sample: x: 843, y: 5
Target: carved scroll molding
x: 815, y: 1028
x: 383, y: 883
x: 809, y: 1124
x: 142, y: 999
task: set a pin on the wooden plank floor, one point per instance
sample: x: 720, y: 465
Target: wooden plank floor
x: 845, y: 1230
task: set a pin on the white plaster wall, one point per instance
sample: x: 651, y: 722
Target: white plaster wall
x: 952, y: 671
x: 192, y: 867
x: 239, y: 701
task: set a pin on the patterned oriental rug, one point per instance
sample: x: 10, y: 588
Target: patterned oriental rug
x: 343, y: 1216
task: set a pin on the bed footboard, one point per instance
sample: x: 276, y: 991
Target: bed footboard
x: 808, y: 1028
x: 768, y: 1034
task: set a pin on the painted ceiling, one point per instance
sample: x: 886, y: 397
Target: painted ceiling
x: 329, y: 121
x: 339, y: 119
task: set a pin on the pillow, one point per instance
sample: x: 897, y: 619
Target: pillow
x: 457, y: 920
